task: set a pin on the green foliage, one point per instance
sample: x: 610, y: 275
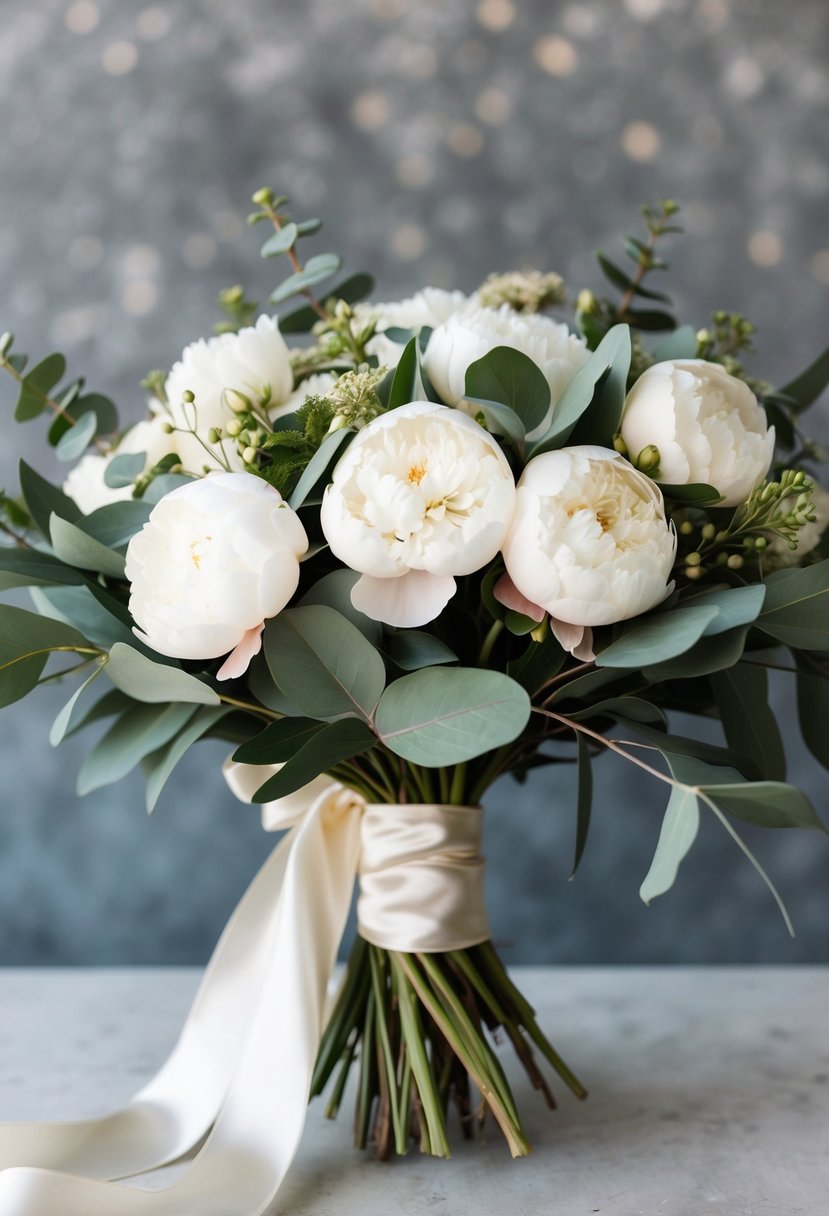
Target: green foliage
x: 678, y: 833
x: 328, y: 746
x: 813, y: 703
x: 595, y: 395
x: 26, y: 641
x: 441, y: 715
x: 155, y: 683
x: 158, y: 766
x: 510, y: 391
x: 323, y: 663
x: 136, y: 733
x: 584, y: 801
x: 77, y: 548
x: 411, y: 649
x: 796, y: 610
x: 334, y: 591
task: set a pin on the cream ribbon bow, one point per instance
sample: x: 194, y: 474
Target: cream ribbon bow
x: 241, y: 1070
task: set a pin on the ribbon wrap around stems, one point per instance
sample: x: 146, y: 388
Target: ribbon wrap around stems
x: 241, y: 1070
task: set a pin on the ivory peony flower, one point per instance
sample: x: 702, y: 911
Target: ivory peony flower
x: 255, y: 362
x: 708, y: 427
x: 85, y: 483
x: 589, y: 541
x: 429, y: 307
x: 216, y: 558
x: 472, y: 333
x: 422, y: 494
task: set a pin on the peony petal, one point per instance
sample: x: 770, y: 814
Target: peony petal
x: 238, y: 661
x: 413, y: 599
x: 506, y: 593
x: 577, y: 639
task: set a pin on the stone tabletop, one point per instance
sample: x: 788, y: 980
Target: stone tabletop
x: 709, y: 1093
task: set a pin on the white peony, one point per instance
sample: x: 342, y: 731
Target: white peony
x: 255, y: 362
x: 708, y: 427
x: 216, y: 558
x: 430, y: 307
x: 589, y: 540
x: 317, y: 385
x: 469, y: 335
x: 422, y: 494
x: 85, y: 482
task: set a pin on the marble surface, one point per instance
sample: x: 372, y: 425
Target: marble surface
x: 709, y: 1093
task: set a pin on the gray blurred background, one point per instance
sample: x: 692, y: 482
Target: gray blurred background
x: 439, y: 140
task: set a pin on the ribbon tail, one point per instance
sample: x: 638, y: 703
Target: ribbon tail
x: 263, y: 1014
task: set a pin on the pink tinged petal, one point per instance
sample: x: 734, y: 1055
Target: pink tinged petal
x: 238, y: 661
x: 577, y: 639
x: 506, y: 593
x: 413, y: 599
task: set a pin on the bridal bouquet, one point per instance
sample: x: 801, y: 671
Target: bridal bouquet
x: 437, y: 542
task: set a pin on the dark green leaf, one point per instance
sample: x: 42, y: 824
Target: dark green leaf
x: 808, y: 386
x: 411, y: 649
x: 334, y: 591
x: 32, y: 568
x: 599, y: 387
x: 44, y: 500
x: 509, y: 378
x: 317, y: 466
x: 331, y: 745
x: 103, y: 409
x: 500, y: 420
x: 619, y: 278
x: 813, y: 708
x: 710, y: 654
x: 750, y: 726
x: 657, y: 637
x: 695, y: 494
x: 540, y: 662
x: 79, y: 607
x: 26, y: 640
x: 796, y: 610
x: 115, y: 524
x: 278, y: 741
x: 584, y: 802
x: 651, y: 320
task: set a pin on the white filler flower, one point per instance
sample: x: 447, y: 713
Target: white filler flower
x: 474, y: 332
x: 708, y: 427
x: 216, y: 558
x: 422, y: 494
x: 255, y: 362
x: 589, y: 541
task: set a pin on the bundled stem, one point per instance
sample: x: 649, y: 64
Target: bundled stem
x: 421, y: 1027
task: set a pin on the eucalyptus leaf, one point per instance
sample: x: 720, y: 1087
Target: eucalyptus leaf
x: 678, y: 833
x: 708, y: 655
x: 500, y: 420
x: 142, y: 729
x: 153, y: 683
x: 657, y: 637
x: 331, y: 745
x: 741, y: 692
x: 281, y: 241
x: 317, y: 268
x: 334, y: 591
x: 607, y: 367
x: 122, y: 470
x: 34, y: 568
x: 584, y: 801
x: 317, y: 466
x: 115, y: 524
x: 796, y: 610
x: 26, y: 641
x: 74, y: 442
x: 302, y: 320
x: 44, y: 500
x: 508, y: 377
x: 79, y: 607
x: 805, y: 389
x: 695, y: 494
x: 165, y: 483
x: 37, y: 385
x: 74, y: 546
x: 158, y: 766
x: 446, y: 715
x: 813, y: 709
x: 681, y: 344
x: 63, y: 721
x: 278, y: 741
x: 411, y: 649
x: 323, y: 663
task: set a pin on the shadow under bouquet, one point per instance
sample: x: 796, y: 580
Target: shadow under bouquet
x: 439, y: 541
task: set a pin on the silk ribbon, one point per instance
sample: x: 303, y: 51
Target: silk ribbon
x: 241, y: 1071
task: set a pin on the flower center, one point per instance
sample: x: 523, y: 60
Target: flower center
x: 416, y: 474
x: 197, y: 551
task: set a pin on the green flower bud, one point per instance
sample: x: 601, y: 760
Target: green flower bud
x: 735, y: 562
x: 620, y: 446
x: 234, y: 428
x: 586, y: 302
x: 262, y: 197
x: 188, y: 397
x: 168, y: 428
x: 709, y: 531
x: 213, y: 435
x: 648, y: 460
x: 760, y: 543
x: 249, y: 455
x: 686, y: 528
x: 693, y: 559
x: 694, y: 572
